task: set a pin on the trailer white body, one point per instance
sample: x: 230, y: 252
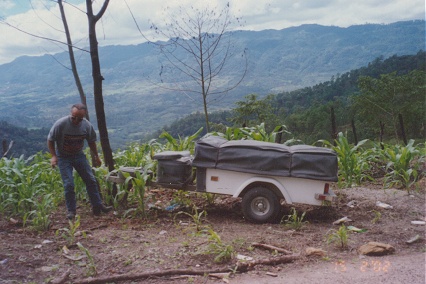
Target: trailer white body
x: 293, y: 190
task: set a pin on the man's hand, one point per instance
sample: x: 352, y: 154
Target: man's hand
x: 97, y: 161
x: 54, y: 161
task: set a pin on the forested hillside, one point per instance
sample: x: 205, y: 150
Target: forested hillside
x: 307, y: 112
x: 24, y: 142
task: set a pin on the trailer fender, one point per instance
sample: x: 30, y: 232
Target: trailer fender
x: 265, y: 181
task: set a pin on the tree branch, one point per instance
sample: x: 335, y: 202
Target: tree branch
x: 240, y: 267
x: 101, y: 11
x: 42, y: 37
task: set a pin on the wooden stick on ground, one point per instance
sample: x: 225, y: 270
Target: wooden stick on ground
x: 240, y: 267
x: 265, y: 246
x: 246, y: 266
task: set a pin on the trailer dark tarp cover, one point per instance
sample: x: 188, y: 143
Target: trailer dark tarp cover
x: 301, y: 161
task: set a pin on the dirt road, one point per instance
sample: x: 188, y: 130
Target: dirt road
x: 392, y: 269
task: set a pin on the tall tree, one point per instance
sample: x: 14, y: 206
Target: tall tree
x: 254, y: 111
x: 97, y: 82
x: 199, y: 47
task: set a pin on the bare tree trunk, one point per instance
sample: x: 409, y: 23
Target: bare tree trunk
x: 401, y: 124
x: 333, y: 126
x: 206, y: 114
x: 74, y: 67
x: 203, y: 82
x: 354, y: 132
x: 97, y: 85
x: 382, y: 132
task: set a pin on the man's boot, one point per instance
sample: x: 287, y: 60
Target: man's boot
x: 97, y: 210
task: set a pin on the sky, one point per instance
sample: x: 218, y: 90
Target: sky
x: 25, y: 23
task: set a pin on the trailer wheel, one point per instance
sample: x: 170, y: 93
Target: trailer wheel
x: 260, y: 205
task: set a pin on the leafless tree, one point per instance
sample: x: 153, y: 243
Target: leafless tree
x: 97, y: 82
x: 199, y: 47
x: 96, y: 74
x: 97, y: 79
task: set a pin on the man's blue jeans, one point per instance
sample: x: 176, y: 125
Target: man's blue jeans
x: 81, y: 165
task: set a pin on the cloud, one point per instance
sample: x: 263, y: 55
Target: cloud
x: 6, y: 5
x: 118, y: 26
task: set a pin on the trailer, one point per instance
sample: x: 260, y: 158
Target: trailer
x: 265, y: 175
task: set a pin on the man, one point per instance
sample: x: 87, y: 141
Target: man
x: 66, y: 142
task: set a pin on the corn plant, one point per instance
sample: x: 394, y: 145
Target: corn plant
x: 352, y: 165
x: 377, y: 217
x: 137, y: 194
x: 40, y: 216
x: 69, y: 233
x: 197, y: 219
x: 181, y: 144
x: 80, y: 188
x: 339, y: 237
x: 209, y: 197
x: 105, y: 187
x: 182, y: 197
x: 137, y: 155
x: 374, y: 157
x: 402, y: 164
x: 24, y: 188
x: 259, y: 133
x: 91, y: 267
x: 13, y: 186
x: 293, y: 221
x: 231, y: 133
x: 219, y: 249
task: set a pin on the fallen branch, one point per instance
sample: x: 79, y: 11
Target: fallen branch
x: 265, y: 246
x: 246, y: 266
x: 138, y: 276
x: 240, y: 267
x: 98, y: 227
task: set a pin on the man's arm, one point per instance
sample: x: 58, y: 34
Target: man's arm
x: 54, y: 159
x: 94, y: 151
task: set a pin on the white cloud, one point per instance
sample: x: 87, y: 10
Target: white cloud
x: 6, y: 5
x: 118, y: 27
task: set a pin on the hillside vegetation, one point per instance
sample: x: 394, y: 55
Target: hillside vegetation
x: 24, y: 142
x: 307, y: 112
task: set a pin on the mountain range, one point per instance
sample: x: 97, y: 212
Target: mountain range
x: 35, y: 91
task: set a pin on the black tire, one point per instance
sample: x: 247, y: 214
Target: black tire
x: 261, y: 205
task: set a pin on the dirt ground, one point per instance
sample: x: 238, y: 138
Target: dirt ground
x: 166, y: 241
